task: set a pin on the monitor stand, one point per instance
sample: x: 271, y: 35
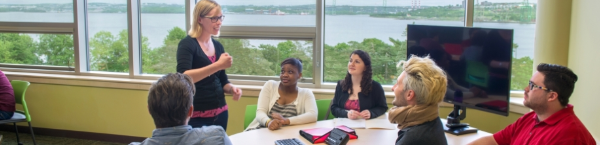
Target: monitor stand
x: 453, y: 126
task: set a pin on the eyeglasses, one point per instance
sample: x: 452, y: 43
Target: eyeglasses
x: 215, y: 19
x: 531, y: 86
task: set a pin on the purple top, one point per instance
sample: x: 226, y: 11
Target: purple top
x: 7, y: 95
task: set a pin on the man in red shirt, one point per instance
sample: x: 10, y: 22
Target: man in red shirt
x: 552, y: 121
x: 7, y: 98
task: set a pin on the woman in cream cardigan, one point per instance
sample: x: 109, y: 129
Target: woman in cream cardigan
x: 282, y: 103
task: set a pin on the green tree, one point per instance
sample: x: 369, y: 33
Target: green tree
x: 289, y: 49
x: 163, y: 60
x: 335, y: 62
x: 521, y: 70
x: 303, y: 51
x: 109, y: 53
x: 270, y: 53
x: 5, y: 52
x: 246, y: 60
x: 384, y: 58
x: 17, y: 48
x: 57, y: 49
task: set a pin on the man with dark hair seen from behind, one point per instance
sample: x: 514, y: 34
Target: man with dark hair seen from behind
x: 420, y: 87
x: 552, y: 120
x: 170, y: 104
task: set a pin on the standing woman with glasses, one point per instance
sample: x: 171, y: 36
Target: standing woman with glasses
x: 205, y: 60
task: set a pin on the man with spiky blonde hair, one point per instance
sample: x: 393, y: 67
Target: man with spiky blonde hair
x: 420, y: 87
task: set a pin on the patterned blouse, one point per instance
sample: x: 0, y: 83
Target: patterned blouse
x: 212, y: 58
x: 352, y: 105
x: 285, y: 110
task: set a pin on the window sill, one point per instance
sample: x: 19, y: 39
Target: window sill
x: 516, y: 99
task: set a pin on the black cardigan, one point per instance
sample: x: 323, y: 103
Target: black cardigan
x: 375, y: 101
x: 209, y: 91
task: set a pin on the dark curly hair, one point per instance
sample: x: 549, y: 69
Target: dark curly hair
x: 367, y: 80
x: 559, y: 79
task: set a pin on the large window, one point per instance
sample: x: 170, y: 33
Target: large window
x: 37, y: 49
x: 108, y: 35
x: 36, y: 11
x: 264, y: 57
x: 379, y: 28
x: 520, y: 16
x: 269, y: 13
x: 35, y: 33
x: 261, y: 34
x: 135, y: 38
x: 162, y: 27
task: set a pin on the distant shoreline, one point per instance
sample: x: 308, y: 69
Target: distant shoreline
x: 446, y: 19
x: 392, y: 17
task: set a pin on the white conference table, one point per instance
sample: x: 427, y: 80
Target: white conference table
x: 265, y: 136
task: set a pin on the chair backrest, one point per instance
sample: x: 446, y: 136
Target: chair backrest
x: 19, y: 88
x: 249, y: 115
x: 324, y: 113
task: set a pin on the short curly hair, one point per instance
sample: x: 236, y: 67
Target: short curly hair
x: 170, y: 99
x: 425, y: 78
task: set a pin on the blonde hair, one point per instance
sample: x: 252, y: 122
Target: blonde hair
x: 426, y: 79
x: 201, y: 10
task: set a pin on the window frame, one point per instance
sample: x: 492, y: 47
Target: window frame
x: 79, y: 29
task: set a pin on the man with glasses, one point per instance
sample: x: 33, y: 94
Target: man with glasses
x: 552, y: 120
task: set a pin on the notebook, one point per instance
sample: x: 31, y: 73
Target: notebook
x: 319, y: 135
x: 315, y: 135
x: 351, y: 133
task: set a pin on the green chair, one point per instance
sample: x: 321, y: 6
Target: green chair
x: 250, y: 115
x: 324, y: 111
x: 19, y: 88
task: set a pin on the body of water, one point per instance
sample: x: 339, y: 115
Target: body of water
x: 338, y: 28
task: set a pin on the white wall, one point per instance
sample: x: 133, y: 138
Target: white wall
x: 584, y: 59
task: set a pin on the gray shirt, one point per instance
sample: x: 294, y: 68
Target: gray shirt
x: 185, y: 134
x: 429, y: 133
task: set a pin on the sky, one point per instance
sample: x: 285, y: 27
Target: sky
x: 278, y: 2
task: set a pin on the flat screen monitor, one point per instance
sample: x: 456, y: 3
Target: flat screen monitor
x: 477, y: 62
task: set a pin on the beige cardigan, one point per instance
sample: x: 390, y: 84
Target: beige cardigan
x: 306, y: 106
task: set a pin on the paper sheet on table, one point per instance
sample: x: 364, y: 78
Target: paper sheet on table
x: 358, y: 123
x: 380, y: 122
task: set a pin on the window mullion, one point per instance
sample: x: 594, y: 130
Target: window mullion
x: 133, y: 25
x: 469, y: 7
x: 318, y: 44
x: 80, y: 35
x: 188, y: 11
x: 268, y: 32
